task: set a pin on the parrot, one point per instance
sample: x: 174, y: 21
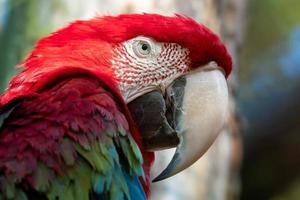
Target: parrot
x: 94, y: 100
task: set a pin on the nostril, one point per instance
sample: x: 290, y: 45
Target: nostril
x: 170, y: 112
x: 174, y: 100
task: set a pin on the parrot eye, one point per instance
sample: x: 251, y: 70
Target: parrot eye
x: 142, y: 48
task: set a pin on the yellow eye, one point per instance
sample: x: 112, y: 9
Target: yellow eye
x: 142, y: 48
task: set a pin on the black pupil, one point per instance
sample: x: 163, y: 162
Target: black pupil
x: 145, y: 47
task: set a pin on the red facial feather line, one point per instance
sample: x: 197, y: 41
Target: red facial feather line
x: 131, y: 71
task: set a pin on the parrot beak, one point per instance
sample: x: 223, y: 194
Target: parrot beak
x: 190, y: 115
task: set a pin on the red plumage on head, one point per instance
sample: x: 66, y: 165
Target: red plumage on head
x: 86, y: 46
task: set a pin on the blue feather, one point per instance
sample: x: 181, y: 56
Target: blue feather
x: 135, y: 187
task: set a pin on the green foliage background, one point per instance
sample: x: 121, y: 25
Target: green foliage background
x: 24, y: 22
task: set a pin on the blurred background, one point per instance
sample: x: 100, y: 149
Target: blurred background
x: 257, y: 156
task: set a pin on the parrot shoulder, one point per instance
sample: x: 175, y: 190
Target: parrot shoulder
x: 69, y: 141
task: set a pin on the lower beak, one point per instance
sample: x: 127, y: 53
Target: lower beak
x: 189, y: 116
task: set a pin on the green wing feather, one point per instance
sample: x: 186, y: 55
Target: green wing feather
x: 89, y: 146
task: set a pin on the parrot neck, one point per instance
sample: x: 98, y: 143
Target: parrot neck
x: 26, y: 84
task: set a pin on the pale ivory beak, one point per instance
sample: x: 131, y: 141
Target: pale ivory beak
x: 203, y: 110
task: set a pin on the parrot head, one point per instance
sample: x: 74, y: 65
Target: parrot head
x: 170, y: 71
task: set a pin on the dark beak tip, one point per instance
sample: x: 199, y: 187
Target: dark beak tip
x: 157, y: 179
x: 169, y: 170
x: 161, y: 176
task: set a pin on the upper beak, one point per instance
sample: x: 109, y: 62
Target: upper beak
x: 189, y: 115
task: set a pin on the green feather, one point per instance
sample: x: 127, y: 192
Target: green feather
x: 122, y: 131
x: 136, y: 150
x: 42, y: 178
x: 9, y: 189
x: 135, y: 165
x: 111, y: 130
x: 82, y: 181
x: 94, y: 159
x: 67, y: 152
x: 115, y: 193
x: 84, y: 142
x: 20, y: 195
x: 108, y: 152
x: 58, y: 188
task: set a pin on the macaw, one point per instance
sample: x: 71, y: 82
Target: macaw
x: 95, y: 99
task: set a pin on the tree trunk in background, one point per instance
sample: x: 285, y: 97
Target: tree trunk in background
x: 215, y: 175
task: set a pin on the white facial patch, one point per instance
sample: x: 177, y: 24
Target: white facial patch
x: 142, y: 65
